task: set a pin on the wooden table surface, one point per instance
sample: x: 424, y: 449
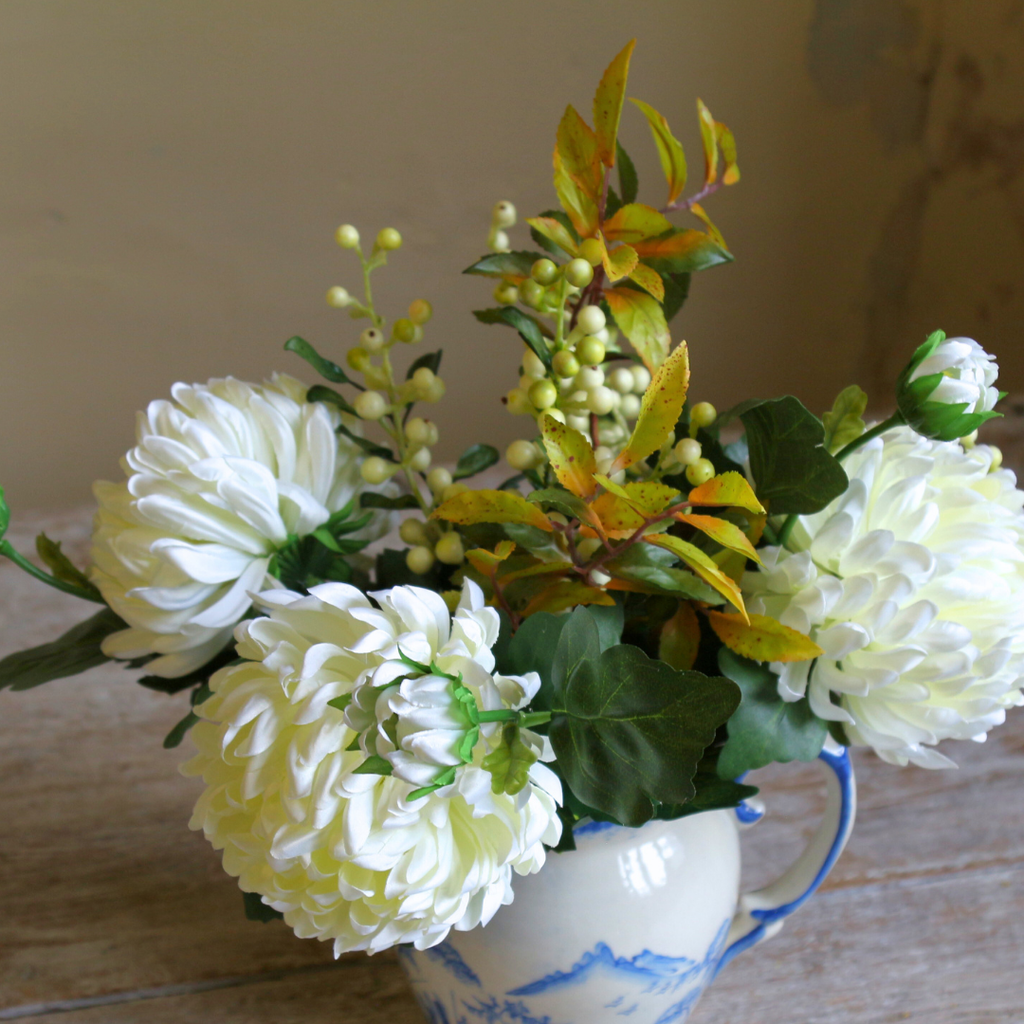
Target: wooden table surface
x: 115, y: 912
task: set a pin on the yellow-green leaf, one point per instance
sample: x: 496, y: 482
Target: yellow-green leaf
x: 540, y: 569
x: 660, y: 408
x: 617, y: 515
x: 715, y: 235
x: 649, y: 497
x: 729, y: 535
x: 709, y: 138
x: 680, y: 638
x: 642, y: 320
x: 566, y: 594
x: 577, y: 146
x: 619, y: 262
x: 727, y: 144
x: 555, y: 231
x: 670, y: 152
x: 845, y: 423
x: 491, y: 507
x: 635, y: 222
x: 571, y: 457
x: 648, y: 279
x: 702, y: 565
x: 485, y: 561
x: 608, y: 103
x: 689, y: 244
x: 580, y: 207
x: 727, y: 489
x: 762, y: 638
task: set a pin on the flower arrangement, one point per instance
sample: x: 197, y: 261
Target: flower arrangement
x: 657, y: 600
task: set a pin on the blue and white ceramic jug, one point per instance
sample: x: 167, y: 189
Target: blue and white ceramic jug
x: 634, y: 924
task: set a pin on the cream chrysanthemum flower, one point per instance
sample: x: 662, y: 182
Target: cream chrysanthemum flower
x: 362, y: 859
x: 913, y: 584
x: 219, y: 479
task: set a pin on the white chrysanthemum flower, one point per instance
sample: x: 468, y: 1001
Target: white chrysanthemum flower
x: 347, y: 856
x: 968, y: 375
x: 219, y: 480
x: 913, y: 584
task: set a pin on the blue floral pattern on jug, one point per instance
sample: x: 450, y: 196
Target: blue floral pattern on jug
x: 647, y: 974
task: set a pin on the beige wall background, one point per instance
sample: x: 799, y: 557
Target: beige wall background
x: 173, y: 171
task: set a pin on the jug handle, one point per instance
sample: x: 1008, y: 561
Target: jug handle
x: 761, y: 913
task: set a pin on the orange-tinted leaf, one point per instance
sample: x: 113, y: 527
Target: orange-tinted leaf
x: 617, y: 514
x: 680, y: 639
x: 577, y: 146
x: 709, y: 138
x: 659, y: 410
x: 702, y: 565
x: 571, y: 457
x: 763, y: 638
x: 491, y: 507
x: 555, y: 231
x: 670, y: 152
x: 729, y: 535
x: 619, y: 262
x: 727, y: 144
x: 566, y: 594
x: 648, y: 279
x: 642, y: 320
x: 727, y: 489
x: 713, y: 233
x: 688, y: 249
x: 635, y: 222
x: 540, y: 569
x: 485, y: 561
x: 608, y: 103
x: 580, y: 207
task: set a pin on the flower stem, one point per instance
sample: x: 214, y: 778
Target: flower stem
x: 7, y: 549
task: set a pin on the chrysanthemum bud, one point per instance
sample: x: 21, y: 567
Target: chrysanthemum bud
x: 370, y: 405
x: 503, y: 215
x: 347, y: 236
x: 338, y: 297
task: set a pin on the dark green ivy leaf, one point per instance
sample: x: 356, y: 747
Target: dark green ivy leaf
x: 528, y: 328
x: 653, y: 567
x: 330, y: 371
x: 612, y: 204
x: 792, y: 470
x: 475, y: 459
x: 431, y: 360
x: 532, y: 649
x: 628, y: 731
x: 319, y: 393
x: 367, y: 446
x: 713, y: 792
x: 257, y: 910
x: 677, y: 291
x: 369, y: 499
x: 77, y: 650
x: 765, y: 728
x: 629, y: 184
x: 505, y: 264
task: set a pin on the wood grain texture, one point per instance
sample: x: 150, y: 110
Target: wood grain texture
x: 113, y: 906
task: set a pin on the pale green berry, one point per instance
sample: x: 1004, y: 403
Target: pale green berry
x: 517, y: 402
x: 522, y: 455
x: 641, y: 378
x: 376, y: 377
x: 555, y: 414
x: 376, y: 470
x: 532, y: 365
x: 435, y: 392
x: 499, y: 242
x: 531, y: 293
x: 506, y: 294
x: 422, y: 379
x: 703, y: 414
x: 438, y: 478
x: 565, y: 364
x: 592, y: 251
x: 347, y: 236
x: 371, y: 405
x: 358, y: 359
x: 579, y: 273
x: 388, y: 239
x: 503, y: 215
x: 544, y: 271
x: 453, y: 490
x: 413, y: 531
x: 687, y: 451
x: 630, y: 406
x: 997, y: 458
x: 578, y: 422
x: 419, y: 461
x: 611, y: 433
x: 601, y: 400
x: 404, y: 330
x: 449, y: 549
x: 590, y: 319
x: 338, y: 297
x: 969, y: 441
x: 543, y: 394
x: 372, y: 340
x: 621, y: 380
x: 420, y: 311
x: 589, y: 377
x: 700, y: 472
x: 419, y: 559
x: 418, y: 431
x: 590, y: 352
